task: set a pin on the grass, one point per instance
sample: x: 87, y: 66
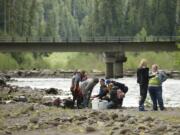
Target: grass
x: 88, y: 61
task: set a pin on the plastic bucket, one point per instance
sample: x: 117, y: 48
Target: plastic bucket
x: 95, y: 104
x: 103, y: 104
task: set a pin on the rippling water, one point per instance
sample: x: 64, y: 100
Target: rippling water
x: 171, y: 88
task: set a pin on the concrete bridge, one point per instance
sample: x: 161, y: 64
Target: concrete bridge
x: 113, y: 48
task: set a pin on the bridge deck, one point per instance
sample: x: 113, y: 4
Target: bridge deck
x: 93, y: 44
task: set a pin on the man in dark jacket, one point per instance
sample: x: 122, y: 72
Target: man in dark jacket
x: 117, y: 95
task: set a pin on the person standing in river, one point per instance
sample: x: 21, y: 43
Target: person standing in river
x: 142, y: 80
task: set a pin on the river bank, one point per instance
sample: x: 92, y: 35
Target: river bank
x: 46, y: 73
x: 33, y: 119
x: 23, y: 111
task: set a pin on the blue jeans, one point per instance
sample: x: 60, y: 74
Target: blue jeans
x: 156, y: 96
x: 113, y: 105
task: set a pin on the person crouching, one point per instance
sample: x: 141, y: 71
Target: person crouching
x: 117, y: 95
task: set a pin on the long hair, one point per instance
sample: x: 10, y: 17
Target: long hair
x: 143, y: 63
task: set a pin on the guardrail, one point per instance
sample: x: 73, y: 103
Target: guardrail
x: 89, y: 39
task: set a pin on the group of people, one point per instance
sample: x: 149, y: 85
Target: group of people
x: 150, y: 82
x: 81, y: 89
x: 114, y: 92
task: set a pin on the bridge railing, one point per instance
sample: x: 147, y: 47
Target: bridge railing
x: 89, y: 39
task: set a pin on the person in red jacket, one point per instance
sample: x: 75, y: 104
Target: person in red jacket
x: 75, y: 90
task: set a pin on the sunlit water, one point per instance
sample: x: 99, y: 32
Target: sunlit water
x: 171, y: 88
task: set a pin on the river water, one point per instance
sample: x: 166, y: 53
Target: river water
x: 171, y: 88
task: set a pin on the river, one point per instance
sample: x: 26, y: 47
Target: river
x: 171, y: 88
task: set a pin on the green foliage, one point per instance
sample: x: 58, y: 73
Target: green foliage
x: 73, y: 18
x: 76, y: 61
x: 141, y: 36
x: 7, y: 62
x: 153, y: 57
x: 21, y: 60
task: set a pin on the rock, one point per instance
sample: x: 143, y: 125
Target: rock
x: 9, y: 101
x: 123, y: 118
x: 2, y: 132
x: 160, y: 128
x: 21, y: 98
x: 66, y: 119
x: 93, y: 113
x: 44, y: 125
x: 90, y: 129
x: 114, y: 116
x: 123, y: 131
x: 8, y: 132
x: 109, y: 123
x: 91, y: 121
x: 53, y: 123
x: 82, y: 118
x: 48, y: 101
x: 142, y: 127
x: 52, y: 91
x: 24, y: 127
x: 148, y: 118
x: 32, y: 73
x: 115, y: 128
x: 2, y: 82
x: 131, y: 120
x: 100, y: 124
x: 34, y: 120
x: 104, y: 117
x: 176, y: 126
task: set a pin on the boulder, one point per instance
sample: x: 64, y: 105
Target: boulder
x: 52, y: 91
x: 21, y: 98
x: 2, y: 82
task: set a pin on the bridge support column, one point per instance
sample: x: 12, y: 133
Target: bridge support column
x: 120, y: 58
x: 114, y: 64
x: 109, y: 60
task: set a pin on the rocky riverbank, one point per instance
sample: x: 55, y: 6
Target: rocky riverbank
x: 33, y: 118
x: 35, y: 73
x: 24, y: 111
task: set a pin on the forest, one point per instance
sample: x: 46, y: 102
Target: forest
x: 87, y: 18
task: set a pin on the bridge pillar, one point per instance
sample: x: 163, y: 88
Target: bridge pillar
x: 109, y: 60
x: 120, y: 58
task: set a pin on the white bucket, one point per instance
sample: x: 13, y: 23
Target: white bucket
x: 95, y: 104
x: 103, y: 104
x: 99, y: 104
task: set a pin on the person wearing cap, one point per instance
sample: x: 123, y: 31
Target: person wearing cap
x: 117, y: 94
